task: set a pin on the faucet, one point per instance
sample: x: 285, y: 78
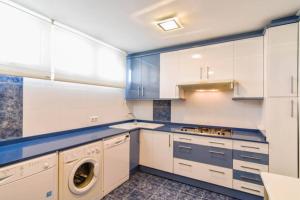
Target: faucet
x: 134, y: 118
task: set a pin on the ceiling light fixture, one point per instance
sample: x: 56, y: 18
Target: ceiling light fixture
x: 169, y: 24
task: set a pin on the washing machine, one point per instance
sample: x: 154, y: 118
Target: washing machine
x: 80, y: 173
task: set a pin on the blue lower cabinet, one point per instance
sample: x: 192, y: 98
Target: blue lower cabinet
x: 251, y: 157
x: 203, y: 154
x: 134, y: 149
x: 247, y: 177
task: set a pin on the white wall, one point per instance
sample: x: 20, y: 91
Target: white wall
x: 51, y: 106
x: 209, y: 108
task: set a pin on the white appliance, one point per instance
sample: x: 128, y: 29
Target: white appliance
x: 80, y: 173
x: 35, y: 179
x: 116, y: 162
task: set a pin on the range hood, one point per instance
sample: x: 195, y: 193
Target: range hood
x: 208, y: 85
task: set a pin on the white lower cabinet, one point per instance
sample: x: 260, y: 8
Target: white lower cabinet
x: 156, y: 150
x: 204, y: 172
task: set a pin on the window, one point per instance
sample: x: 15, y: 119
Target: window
x: 24, y: 39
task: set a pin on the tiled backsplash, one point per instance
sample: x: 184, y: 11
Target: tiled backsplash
x: 162, y: 110
x: 11, y: 107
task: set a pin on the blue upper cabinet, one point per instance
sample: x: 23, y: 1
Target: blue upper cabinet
x: 143, y: 77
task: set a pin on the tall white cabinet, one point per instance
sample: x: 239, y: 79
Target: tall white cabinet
x: 282, y: 101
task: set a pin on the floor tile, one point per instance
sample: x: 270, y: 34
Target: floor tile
x: 137, y: 195
x: 167, y: 193
x: 185, y: 196
x: 193, y: 190
x: 173, y: 185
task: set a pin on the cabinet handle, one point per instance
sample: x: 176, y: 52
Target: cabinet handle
x: 184, y: 147
x: 245, y: 167
x: 207, y: 73
x: 169, y: 140
x: 217, y: 152
x: 201, y: 73
x: 185, y: 164
x: 219, y: 172
x: 292, y: 84
x: 250, y: 157
x: 139, y: 91
x: 249, y: 178
x: 185, y: 139
x: 142, y: 91
x: 250, y: 147
x: 217, y: 143
x: 292, y: 108
x: 250, y: 189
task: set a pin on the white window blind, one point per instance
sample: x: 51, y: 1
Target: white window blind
x: 24, y: 43
x: 76, y: 58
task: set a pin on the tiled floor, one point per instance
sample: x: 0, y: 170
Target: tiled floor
x: 144, y: 186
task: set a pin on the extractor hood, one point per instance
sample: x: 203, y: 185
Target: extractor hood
x: 208, y: 85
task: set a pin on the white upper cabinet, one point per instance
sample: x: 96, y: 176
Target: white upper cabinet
x: 218, y: 61
x: 249, y: 68
x: 191, y: 65
x: 169, y: 76
x: 282, y: 55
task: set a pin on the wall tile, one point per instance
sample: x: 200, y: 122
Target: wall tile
x: 11, y: 107
x: 162, y: 110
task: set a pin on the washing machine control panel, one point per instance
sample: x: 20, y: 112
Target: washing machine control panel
x: 27, y: 168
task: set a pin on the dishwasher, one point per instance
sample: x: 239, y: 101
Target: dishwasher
x: 115, y: 162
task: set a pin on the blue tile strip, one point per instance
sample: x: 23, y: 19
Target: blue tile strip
x: 11, y: 107
x: 162, y: 110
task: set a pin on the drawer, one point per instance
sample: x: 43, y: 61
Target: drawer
x: 250, y: 166
x: 186, y: 168
x: 203, y: 154
x: 187, y: 151
x: 251, y: 147
x: 218, y: 156
x: 215, y: 142
x: 217, y: 175
x: 205, y: 141
x: 247, y: 177
x: 203, y: 172
x: 251, y: 157
x: 248, y: 187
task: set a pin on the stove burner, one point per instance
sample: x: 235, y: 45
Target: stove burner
x: 222, y: 132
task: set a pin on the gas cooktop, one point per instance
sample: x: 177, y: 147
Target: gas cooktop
x: 221, y: 132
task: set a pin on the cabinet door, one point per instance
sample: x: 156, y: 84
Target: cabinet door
x: 282, y: 60
x: 133, y: 78
x: 218, y: 61
x: 191, y: 69
x: 134, y: 149
x: 248, y: 67
x: 150, y: 77
x: 146, y: 148
x: 169, y: 75
x: 163, y: 151
x: 282, y: 134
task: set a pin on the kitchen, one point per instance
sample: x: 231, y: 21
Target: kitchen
x: 149, y: 100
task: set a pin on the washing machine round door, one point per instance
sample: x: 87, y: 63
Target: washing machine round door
x: 83, y: 176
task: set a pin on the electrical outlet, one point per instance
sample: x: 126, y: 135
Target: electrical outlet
x: 94, y: 119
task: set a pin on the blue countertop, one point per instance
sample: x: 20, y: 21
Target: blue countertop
x: 26, y: 148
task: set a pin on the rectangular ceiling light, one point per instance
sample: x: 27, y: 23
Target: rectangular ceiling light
x: 169, y: 24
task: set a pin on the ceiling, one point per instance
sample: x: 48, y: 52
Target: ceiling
x: 128, y: 24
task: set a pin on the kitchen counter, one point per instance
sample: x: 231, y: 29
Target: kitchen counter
x: 26, y: 148
x: 278, y: 187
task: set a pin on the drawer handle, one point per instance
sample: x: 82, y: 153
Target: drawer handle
x: 250, y: 147
x: 250, y: 189
x: 219, y: 172
x: 245, y: 167
x: 217, y: 152
x: 250, y: 157
x: 185, y: 164
x: 185, y: 139
x: 217, y: 143
x: 249, y: 178
x: 184, y: 147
